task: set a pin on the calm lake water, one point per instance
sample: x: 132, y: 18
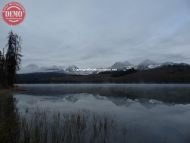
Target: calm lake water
x: 131, y: 113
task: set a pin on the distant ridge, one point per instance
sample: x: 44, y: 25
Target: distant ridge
x: 122, y: 65
x: 74, y: 70
x: 148, y: 64
x: 167, y: 73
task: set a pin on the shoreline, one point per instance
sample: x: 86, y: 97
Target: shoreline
x: 10, y: 90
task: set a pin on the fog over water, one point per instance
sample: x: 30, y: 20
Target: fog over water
x: 146, y: 117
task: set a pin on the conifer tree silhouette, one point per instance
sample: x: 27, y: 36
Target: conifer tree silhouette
x: 12, y: 57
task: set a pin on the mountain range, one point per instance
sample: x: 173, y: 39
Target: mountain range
x: 74, y: 70
x: 151, y: 73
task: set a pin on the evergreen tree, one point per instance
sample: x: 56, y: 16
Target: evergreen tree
x: 13, y: 57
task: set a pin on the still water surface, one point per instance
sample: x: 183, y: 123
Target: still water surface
x: 132, y: 113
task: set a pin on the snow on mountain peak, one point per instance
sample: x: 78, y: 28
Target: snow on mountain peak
x: 147, y: 64
x: 121, y: 65
x: 72, y: 68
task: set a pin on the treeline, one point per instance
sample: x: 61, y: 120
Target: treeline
x: 10, y: 60
x: 165, y: 74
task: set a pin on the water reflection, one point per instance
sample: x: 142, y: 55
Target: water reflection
x: 170, y: 93
x: 59, y: 127
x: 9, y: 120
x: 96, y: 113
x: 42, y: 126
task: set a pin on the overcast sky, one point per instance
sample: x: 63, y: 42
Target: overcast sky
x: 91, y: 33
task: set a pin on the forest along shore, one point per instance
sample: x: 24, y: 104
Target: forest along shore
x: 165, y: 74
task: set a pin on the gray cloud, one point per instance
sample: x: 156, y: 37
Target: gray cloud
x: 92, y: 33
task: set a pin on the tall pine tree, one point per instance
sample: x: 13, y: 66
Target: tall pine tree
x: 13, y: 57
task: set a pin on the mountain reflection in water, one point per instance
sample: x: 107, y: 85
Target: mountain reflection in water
x: 102, y: 113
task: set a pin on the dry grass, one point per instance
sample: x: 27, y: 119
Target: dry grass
x: 80, y: 127
x: 37, y: 126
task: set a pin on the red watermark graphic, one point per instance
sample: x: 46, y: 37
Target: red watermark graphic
x: 13, y: 13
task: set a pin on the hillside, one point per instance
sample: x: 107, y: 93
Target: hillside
x: 164, y: 74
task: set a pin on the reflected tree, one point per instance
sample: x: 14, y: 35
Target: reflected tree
x: 9, y: 120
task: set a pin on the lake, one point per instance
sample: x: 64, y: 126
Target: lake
x: 107, y: 113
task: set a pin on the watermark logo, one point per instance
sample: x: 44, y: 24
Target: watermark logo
x: 13, y: 13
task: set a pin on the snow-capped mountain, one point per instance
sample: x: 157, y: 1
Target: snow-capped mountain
x: 122, y: 65
x: 72, y: 68
x: 147, y: 64
x: 119, y: 66
x: 60, y: 69
x: 32, y: 68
